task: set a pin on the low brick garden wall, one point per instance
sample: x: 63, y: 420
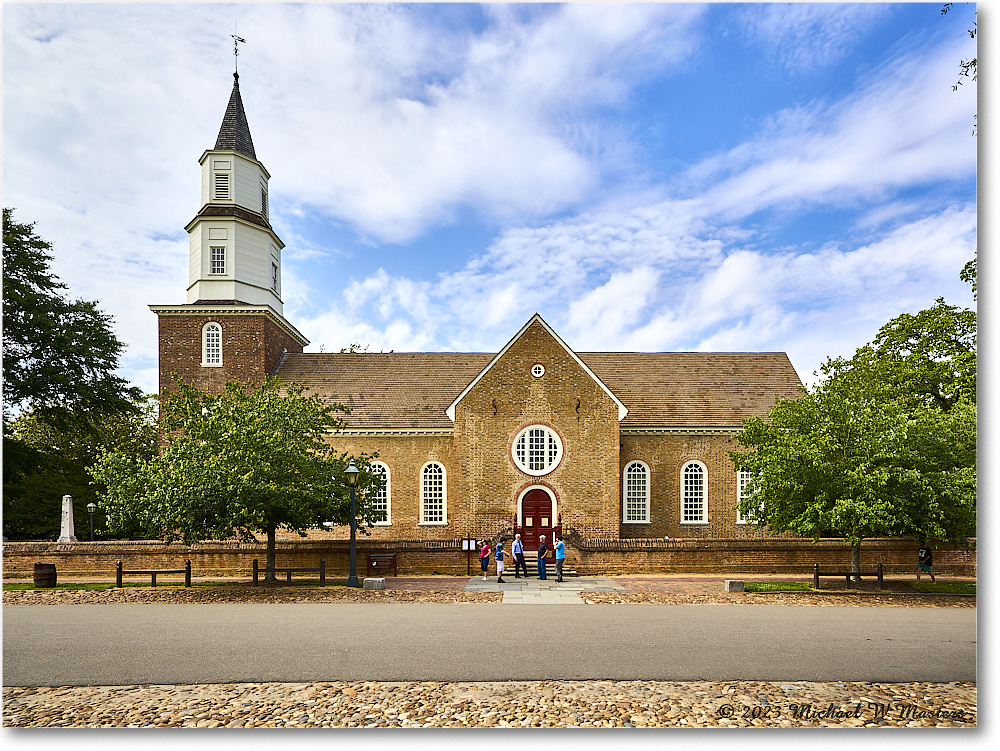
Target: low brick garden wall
x: 422, y: 557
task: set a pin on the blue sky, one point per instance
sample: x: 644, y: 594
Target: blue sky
x: 654, y: 177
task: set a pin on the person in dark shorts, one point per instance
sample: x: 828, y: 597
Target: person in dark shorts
x: 925, y: 561
x: 484, y: 558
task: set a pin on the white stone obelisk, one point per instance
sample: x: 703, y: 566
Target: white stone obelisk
x: 66, y: 532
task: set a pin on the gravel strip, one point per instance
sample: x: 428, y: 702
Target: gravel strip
x: 244, y: 593
x: 508, y: 704
x: 237, y: 593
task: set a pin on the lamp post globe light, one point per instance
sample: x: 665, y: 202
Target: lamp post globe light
x: 91, y: 507
x: 352, y: 473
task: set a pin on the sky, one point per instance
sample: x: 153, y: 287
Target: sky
x: 647, y: 177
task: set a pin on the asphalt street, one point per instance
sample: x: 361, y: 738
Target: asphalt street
x: 64, y: 645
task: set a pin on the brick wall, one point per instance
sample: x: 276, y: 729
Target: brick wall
x: 251, y: 348
x: 781, y: 556
x: 666, y: 455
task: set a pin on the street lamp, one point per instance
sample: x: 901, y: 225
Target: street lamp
x: 91, y: 507
x: 352, y: 473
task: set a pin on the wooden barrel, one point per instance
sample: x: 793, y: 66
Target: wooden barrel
x: 45, y: 575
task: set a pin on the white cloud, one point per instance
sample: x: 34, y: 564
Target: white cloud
x: 905, y: 128
x: 806, y: 36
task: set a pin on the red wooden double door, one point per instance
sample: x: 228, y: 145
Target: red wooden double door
x: 536, y: 519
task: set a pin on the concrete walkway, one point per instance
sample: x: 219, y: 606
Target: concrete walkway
x: 533, y: 591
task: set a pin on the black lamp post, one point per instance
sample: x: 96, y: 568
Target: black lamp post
x: 352, y: 473
x: 91, y: 507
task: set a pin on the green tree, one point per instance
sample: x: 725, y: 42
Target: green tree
x: 928, y: 358
x: 43, y: 462
x: 59, y: 355
x: 249, y: 461
x: 850, y: 457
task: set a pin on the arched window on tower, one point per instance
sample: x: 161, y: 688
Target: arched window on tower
x: 211, y: 345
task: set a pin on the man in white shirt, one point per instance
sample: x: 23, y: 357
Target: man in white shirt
x: 517, y: 549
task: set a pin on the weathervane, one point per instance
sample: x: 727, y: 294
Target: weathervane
x: 236, y: 48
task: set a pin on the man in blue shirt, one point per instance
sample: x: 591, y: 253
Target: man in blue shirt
x: 560, y: 557
x: 542, y: 550
x: 517, y: 549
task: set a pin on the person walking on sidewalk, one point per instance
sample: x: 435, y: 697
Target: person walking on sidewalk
x: 499, y: 556
x: 542, y: 550
x: 484, y: 558
x: 517, y: 549
x: 925, y: 561
x: 560, y: 557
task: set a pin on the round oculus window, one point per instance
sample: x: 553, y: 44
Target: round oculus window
x: 537, y: 450
x: 537, y: 370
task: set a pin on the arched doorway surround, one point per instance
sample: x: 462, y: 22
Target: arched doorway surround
x: 537, y: 514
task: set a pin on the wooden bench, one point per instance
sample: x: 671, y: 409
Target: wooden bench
x: 380, y: 564
x: 289, y: 571
x: 119, y: 572
x: 847, y: 575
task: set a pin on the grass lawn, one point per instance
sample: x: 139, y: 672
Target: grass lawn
x: 777, y: 587
x: 947, y: 588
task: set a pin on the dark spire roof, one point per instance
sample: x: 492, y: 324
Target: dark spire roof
x: 234, y: 135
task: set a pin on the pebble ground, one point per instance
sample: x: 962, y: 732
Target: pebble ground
x: 507, y: 704
x: 592, y: 703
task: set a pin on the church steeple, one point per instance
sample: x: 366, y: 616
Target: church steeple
x: 232, y: 327
x: 234, y: 135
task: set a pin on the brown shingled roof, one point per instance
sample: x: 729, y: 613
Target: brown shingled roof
x: 234, y: 134
x: 660, y: 389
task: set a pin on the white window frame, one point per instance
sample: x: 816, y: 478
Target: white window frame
x: 263, y: 200
x: 552, y: 450
x: 388, y: 493
x: 222, y: 180
x: 274, y: 277
x: 702, y: 518
x: 423, y: 496
x: 742, y: 478
x: 205, y: 346
x: 212, y: 259
x: 645, y: 492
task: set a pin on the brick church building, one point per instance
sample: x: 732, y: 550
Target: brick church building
x: 536, y: 438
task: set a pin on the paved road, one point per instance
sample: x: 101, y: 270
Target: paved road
x: 127, y: 644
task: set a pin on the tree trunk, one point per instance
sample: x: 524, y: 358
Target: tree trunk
x: 269, y: 575
x: 856, y: 561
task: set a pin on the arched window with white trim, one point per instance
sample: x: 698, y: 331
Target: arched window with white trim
x: 211, y: 345
x: 635, y: 493
x: 381, y: 502
x: 694, y: 493
x: 433, y: 494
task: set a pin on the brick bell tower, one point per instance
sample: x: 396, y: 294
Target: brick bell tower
x: 233, y: 326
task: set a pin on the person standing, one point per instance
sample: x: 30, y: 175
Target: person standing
x: 499, y: 556
x: 517, y: 549
x: 542, y: 550
x: 560, y: 557
x: 925, y: 561
x: 484, y: 558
